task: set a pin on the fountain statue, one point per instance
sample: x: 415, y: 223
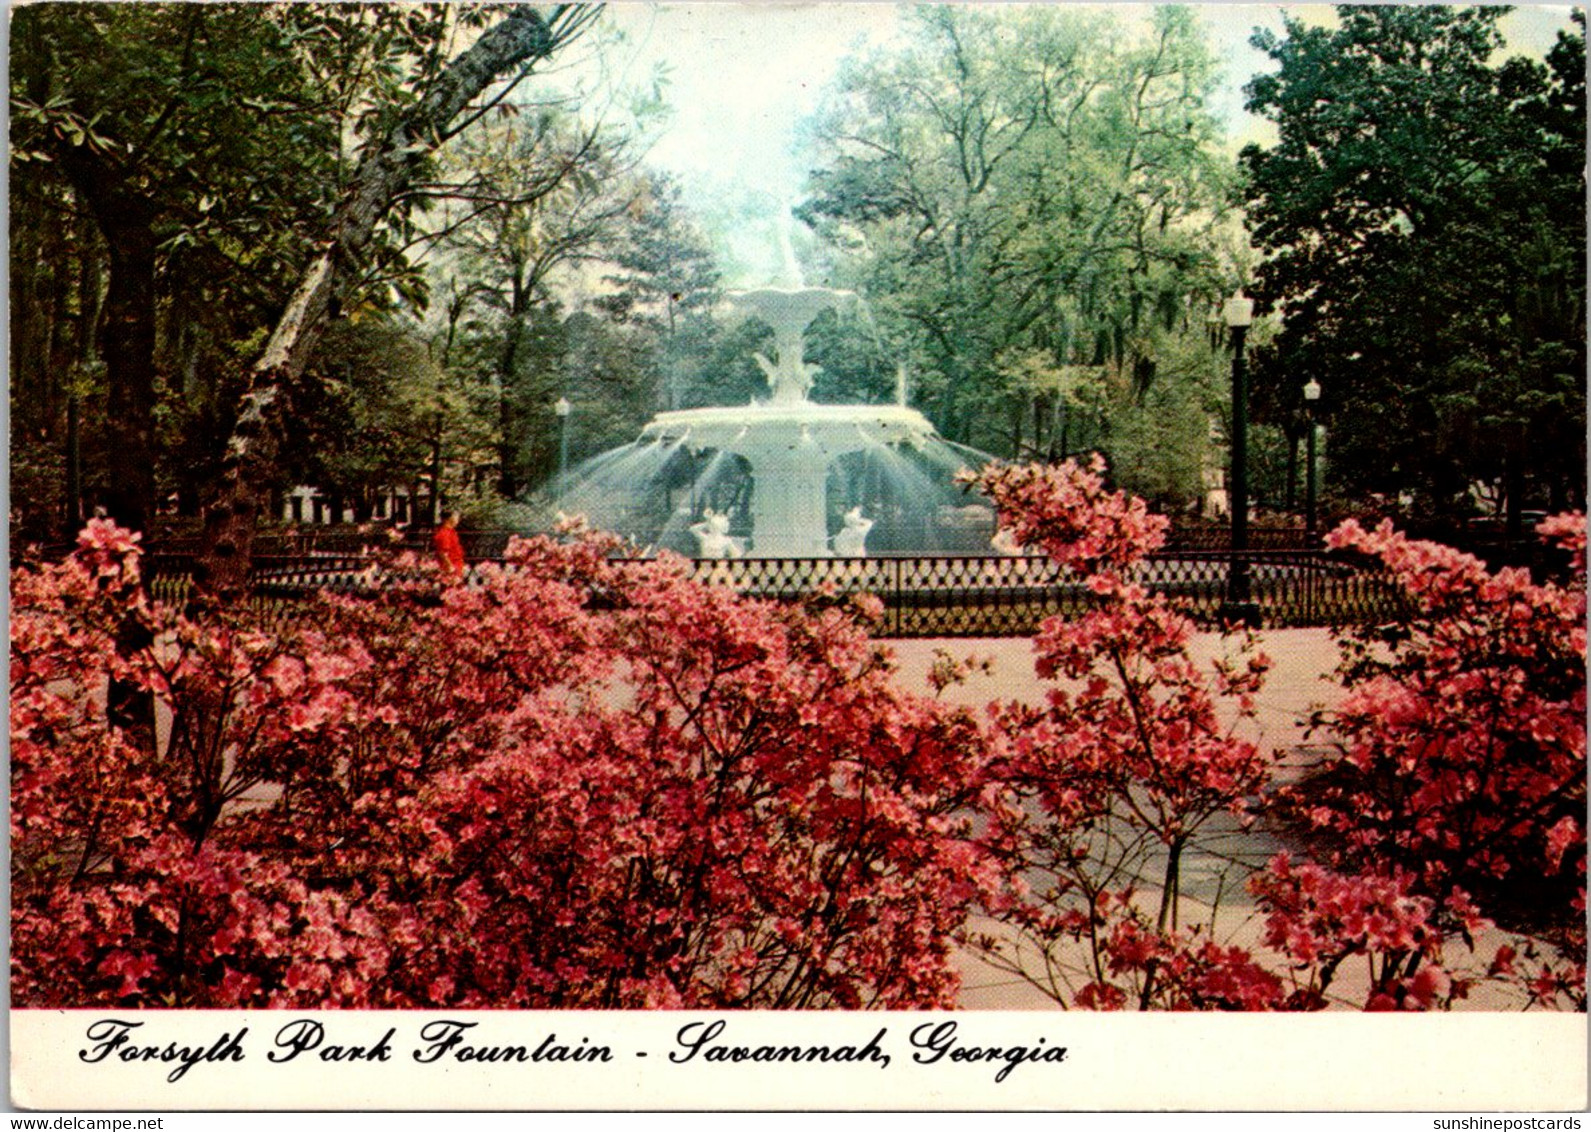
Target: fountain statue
x: 788, y: 313
x: 851, y: 542
x: 767, y: 470
x: 713, y: 538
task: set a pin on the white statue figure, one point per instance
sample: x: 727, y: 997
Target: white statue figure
x: 851, y: 542
x: 1004, y: 542
x: 789, y: 381
x: 712, y: 537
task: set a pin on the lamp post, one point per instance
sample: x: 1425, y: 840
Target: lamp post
x: 1238, y: 313
x: 562, y: 407
x: 1311, y: 397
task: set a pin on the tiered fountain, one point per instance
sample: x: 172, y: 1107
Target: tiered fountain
x: 768, y: 466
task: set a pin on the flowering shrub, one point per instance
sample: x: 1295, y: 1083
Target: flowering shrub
x: 1462, y: 747
x: 566, y: 784
x: 1320, y: 920
x: 1461, y: 783
x: 572, y: 783
x: 1124, y: 767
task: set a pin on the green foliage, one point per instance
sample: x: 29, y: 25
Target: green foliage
x: 1029, y: 180
x: 541, y: 196
x: 1159, y: 445
x: 665, y: 282
x: 1424, y: 215
x: 381, y: 412
x: 664, y: 270
x: 173, y: 169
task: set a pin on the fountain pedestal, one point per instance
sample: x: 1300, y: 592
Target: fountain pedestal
x: 789, y: 504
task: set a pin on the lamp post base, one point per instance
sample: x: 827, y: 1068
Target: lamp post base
x: 1246, y: 613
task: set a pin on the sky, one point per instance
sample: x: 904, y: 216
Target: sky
x: 741, y: 75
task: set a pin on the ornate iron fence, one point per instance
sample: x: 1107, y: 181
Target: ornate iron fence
x: 1010, y: 596
x: 953, y: 596
x: 1218, y: 536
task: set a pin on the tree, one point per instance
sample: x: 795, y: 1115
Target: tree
x: 1031, y: 180
x: 196, y: 167
x: 543, y: 192
x: 403, y: 131
x: 666, y: 280
x: 1424, y: 224
x: 542, y: 214
x: 381, y: 412
x: 57, y: 380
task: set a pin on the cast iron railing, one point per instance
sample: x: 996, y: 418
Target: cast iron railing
x: 1008, y: 596
x: 956, y: 596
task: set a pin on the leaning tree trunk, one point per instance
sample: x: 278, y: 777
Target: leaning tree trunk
x: 386, y: 168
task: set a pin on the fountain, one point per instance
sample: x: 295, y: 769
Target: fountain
x: 779, y: 468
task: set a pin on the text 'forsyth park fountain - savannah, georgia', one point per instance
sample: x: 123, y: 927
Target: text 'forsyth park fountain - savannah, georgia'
x: 786, y: 477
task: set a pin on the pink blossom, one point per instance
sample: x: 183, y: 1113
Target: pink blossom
x: 519, y: 796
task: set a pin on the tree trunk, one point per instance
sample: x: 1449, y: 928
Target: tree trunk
x: 29, y: 310
x: 127, y: 332
x: 508, y: 439
x: 434, y: 503
x: 72, y: 516
x: 89, y: 299
x: 1513, y: 487
x: 1291, y: 502
x: 386, y: 168
x: 127, y: 344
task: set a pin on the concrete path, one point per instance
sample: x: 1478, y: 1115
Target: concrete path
x: 1299, y: 681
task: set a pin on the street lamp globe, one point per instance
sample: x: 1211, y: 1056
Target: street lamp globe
x: 562, y: 407
x: 1312, y: 390
x: 1238, y: 311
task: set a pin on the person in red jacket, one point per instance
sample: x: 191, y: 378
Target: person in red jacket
x: 449, y: 550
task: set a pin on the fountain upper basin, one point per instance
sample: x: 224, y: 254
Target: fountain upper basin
x: 823, y: 430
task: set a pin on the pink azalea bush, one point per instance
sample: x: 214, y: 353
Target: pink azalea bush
x: 568, y: 785
x: 579, y: 783
x: 1461, y: 766
x: 1123, y: 769
x: 1463, y: 739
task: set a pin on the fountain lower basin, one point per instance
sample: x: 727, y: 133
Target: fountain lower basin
x: 790, y: 448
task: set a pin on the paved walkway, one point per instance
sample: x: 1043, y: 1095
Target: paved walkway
x: 1299, y: 684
